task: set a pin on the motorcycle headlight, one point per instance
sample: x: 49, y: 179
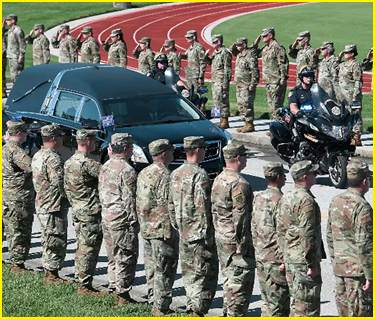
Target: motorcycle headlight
x: 313, y: 127
x: 138, y: 155
x: 228, y: 137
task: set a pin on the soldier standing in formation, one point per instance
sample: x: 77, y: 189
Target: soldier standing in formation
x: 18, y: 196
x: 269, y: 256
x: 41, y: 53
x: 160, y: 238
x: 117, y: 191
x: 81, y: 187
x: 145, y: 56
x: 350, y: 81
x: 275, y: 67
x: 232, y: 199
x: 117, y: 51
x: 66, y: 43
x: 304, y: 55
x: 301, y: 238
x: 89, y: 46
x: 173, y: 59
x: 4, y: 65
x: 367, y: 65
x: 196, y: 68
x: 190, y: 214
x: 246, y: 79
x: 16, y: 48
x: 221, y: 73
x: 51, y: 203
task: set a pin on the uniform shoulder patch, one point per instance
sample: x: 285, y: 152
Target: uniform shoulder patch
x: 290, y: 94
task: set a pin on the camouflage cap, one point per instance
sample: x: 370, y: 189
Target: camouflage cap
x: 191, y: 33
x: 326, y: 45
x: 15, y: 127
x: 51, y: 130
x: 303, y: 34
x: 116, y: 32
x: 123, y: 139
x: 267, y: 31
x: 272, y: 169
x: 38, y: 26
x: 64, y: 27
x: 85, y: 135
x: 191, y: 142
x: 169, y: 43
x: 86, y: 30
x: 159, y: 146
x: 351, y: 48
x: 145, y: 40
x: 302, y: 168
x: 217, y: 37
x: 232, y: 150
x: 11, y: 17
x: 241, y: 41
x: 358, y: 170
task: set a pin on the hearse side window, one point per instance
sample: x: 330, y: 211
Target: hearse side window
x: 89, y: 111
x: 67, y: 106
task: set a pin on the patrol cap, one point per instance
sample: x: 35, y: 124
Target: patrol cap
x: 326, y: 45
x: 272, y: 169
x: 145, y: 40
x: 191, y: 142
x: 122, y: 139
x: 241, y: 41
x: 267, y: 31
x: 303, y: 168
x: 191, y: 33
x: 217, y: 37
x: 15, y: 127
x: 303, y: 34
x: 232, y: 150
x: 358, y: 170
x: 159, y: 146
x: 169, y: 43
x: 351, y: 48
x: 85, y: 135
x: 38, y: 26
x: 116, y: 32
x: 64, y: 27
x: 11, y: 17
x: 51, y: 130
x: 86, y: 30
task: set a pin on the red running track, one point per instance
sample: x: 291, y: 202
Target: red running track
x: 172, y: 22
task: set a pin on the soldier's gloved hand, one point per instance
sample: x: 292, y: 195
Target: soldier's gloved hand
x: 299, y: 114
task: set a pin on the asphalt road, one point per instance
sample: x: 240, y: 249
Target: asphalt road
x: 323, y: 191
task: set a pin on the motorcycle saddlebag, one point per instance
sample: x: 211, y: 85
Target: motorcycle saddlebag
x: 280, y: 132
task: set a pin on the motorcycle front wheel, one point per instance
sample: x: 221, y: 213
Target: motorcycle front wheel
x: 337, y: 171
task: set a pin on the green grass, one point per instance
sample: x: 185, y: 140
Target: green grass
x: 28, y: 296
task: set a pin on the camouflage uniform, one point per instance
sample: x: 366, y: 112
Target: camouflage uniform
x: 41, y: 53
x: 264, y: 226
x: 160, y: 239
x: 349, y: 238
x: 232, y: 199
x: 190, y: 214
x: 4, y: 65
x: 117, y: 52
x: 246, y: 75
x: 173, y: 59
x: 89, y: 48
x: 18, y: 197
x: 366, y: 65
x: 81, y: 186
x: 68, y: 49
x: 300, y: 223
x: 221, y: 73
x: 145, y: 58
x: 275, y: 67
x: 196, y: 65
x: 117, y: 191
x: 50, y: 202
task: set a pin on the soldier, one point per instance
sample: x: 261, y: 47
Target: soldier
x: 117, y: 192
x: 89, y: 47
x: 264, y: 226
x: 117, y: 51
x: 51, y: 203
x: 190, y: 214
x: 304, y: 55
x: 232, y: 199
x: 145, y: 56
x: 18, y: 196
x: 275, y: 67
x: 160, y: 238
x: 328, y: 78
x: 41, y: 53
x: 350, y: 82
x: 4, y: 65
x: 367, y: 65
x: 246, y: 79
x: 16, y: 47
x: 81, y: 186
x: 221, y: 73
x: 195, y: 55
x: 66, y: 43
x: 349, y: 238
x: 301, y: 240
x: 173, y: 60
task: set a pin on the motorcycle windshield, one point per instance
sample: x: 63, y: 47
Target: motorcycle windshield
x: 319, y: 97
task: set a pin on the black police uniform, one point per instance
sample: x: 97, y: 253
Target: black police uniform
x: 157, y: 74
x: 300, y: 96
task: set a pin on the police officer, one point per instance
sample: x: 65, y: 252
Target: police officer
x: 41, y: 53
x: 174, y: 61
x: 145, y: 56
x: 117, y: 51
x: 66, y: 44
x: 89, y: 46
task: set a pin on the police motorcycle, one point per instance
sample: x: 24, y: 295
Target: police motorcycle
x: 322, y: 135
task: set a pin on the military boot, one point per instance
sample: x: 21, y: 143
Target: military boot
x: 52, y: 277
x: 221, y: 121
x: 194, y: 314
x: 356, y: 140
x: 5, y: 94
x: 157, y: 313
x: 19, y: 269
x: 249, y: 127
x: 90, y: 291
x: 125, y: 299
x: 225, y: 123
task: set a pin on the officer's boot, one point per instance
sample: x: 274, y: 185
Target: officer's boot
x: 249, y: 127
x: 225, y: 123
x: 89, y: 290
x: 52, y: 277
x: 125, y: 299
x: 19, y: 269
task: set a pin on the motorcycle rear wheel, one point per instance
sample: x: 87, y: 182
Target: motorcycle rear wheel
x: 337, y: 171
